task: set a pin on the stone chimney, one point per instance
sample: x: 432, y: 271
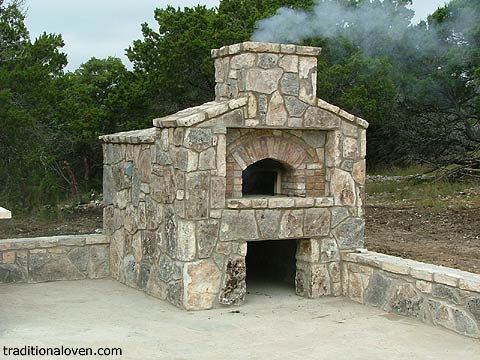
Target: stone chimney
x: 277, y: 77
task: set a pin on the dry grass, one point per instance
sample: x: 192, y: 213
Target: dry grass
x: 441, y: 194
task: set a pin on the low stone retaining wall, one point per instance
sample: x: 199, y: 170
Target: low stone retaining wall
x: 42, y: 259
x: 433, y: 294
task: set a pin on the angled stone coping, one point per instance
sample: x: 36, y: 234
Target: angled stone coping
x: 144, y: 136
x: 322, y: 104
x: 261, y: 47
x: 52, y: 241
x: 417, y: 270
x: 5, y: 214
x: 279, y: 202
x: 199, y: 114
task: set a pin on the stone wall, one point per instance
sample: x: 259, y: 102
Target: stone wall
x: 71, y: 257
x: 166, y: 194
x: 436, y: 295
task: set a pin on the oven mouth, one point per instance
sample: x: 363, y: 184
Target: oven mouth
x: 263, y: 178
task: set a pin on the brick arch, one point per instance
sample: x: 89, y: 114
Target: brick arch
x: 287, y: 149
x: 300, y: 158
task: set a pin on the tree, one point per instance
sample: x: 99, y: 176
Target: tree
x: 27, y: 102
x: 174, y: 63
x: 98, y: 98
x: 441, y: 85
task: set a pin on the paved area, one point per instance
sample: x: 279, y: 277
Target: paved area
x: 273, y: 324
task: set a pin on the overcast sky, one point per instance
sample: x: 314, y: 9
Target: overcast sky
x: 104, y: 28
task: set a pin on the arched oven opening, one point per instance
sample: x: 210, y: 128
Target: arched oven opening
x: 263, y: 178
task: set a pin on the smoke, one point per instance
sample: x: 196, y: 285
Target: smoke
x: 367, y: 24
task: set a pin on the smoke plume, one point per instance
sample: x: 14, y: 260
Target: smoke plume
x: 365, y: 24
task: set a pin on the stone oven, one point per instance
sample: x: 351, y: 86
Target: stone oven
x: 266, y: 161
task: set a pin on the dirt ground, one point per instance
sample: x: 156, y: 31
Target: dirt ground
x: 445, y: 236
x: 79, y: 221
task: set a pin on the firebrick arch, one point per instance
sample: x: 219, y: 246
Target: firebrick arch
x: 287, y: 149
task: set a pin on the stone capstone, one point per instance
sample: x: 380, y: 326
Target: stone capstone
x: 319, y: 118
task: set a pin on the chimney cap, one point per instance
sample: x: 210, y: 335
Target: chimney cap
x: 264, y: 47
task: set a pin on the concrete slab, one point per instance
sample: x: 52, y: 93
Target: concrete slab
x: 273, y: 324
x: 5, y: 214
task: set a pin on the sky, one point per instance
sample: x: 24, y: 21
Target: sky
x: 103, y: 28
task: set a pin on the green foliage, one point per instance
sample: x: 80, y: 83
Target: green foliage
x: 174, y: 63
x: 27, y: 108
x: 94, y: 102
x: 418, y: 86
x: 352, y: 81
x: 441, y: 87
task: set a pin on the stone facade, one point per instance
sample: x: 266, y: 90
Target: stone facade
x: 433, y: 294
x: 42, y: 259
x: 175, y: 208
